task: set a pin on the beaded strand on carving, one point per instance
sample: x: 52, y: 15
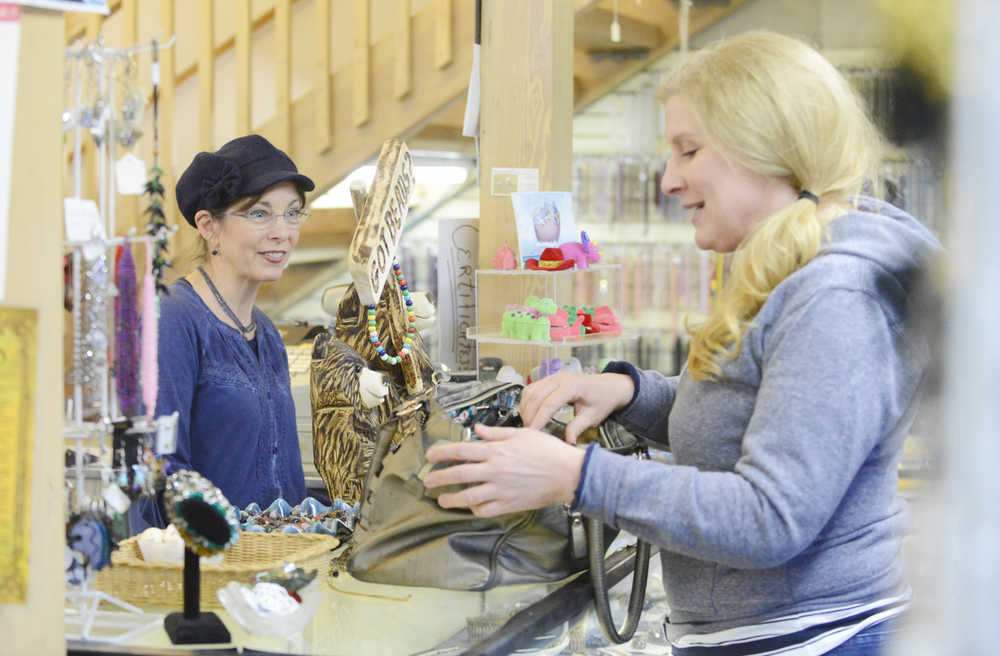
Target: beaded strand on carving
x: 411, y: 323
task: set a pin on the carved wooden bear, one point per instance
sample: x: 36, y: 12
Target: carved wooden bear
x: 344, y: 429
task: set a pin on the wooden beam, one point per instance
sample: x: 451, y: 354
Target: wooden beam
x: 598, y: 85
x: 283, y: 72
x: 404, y: 74
x: 206, y: 75
x: 660, y: 13
x: 318, y: 277
x: 244, y: 102
x: 362, y: 62
x: 130, y: 22
x: 593, y: 31
x: 444, y: 39
x: 293, y: 278
x: 328, y: 227
x: 77, y: 21
x: 168, y: 111
x: 526, y: 121
x: 433, y: 90
x: 581, y: 7
x: 34, y: 624
x: 321, y: 85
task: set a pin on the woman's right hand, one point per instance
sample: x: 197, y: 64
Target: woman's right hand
x: 593, y: 397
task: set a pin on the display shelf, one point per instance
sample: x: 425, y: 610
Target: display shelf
x: 596, y: 286
x: 496, y: 337
x: 530, y: 272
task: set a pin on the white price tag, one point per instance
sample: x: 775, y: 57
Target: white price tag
x: 166, y: 434
x: 130, y: 174
x: 116, y: 499
x: 83, y: 221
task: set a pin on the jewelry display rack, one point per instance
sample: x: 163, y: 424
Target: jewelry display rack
x: 84, y: 618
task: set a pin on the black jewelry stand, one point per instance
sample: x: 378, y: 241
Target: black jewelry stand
x: 192, y: 626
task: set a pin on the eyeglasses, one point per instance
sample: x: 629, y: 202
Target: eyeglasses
x: 261, y: 218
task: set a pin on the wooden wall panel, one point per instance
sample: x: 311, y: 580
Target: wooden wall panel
x: 404, y: 74
x: 244, y: 87
x: 206, y: 74
x: 362, y: 63
x: 34, y: 280
x: 283, y: 72
x: 444, y: 38
x: 321, y: 88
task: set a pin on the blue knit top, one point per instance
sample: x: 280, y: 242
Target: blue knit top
x: 237, y: 419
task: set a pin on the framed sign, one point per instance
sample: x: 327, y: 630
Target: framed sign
x: 381, y: 222
x: 18, y: 330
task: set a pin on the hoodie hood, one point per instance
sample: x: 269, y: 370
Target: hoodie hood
x: 886, y: 236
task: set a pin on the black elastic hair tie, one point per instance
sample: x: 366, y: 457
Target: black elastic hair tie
x: 805, y: 193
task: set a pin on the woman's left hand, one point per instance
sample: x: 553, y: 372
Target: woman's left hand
x: 516, y: 468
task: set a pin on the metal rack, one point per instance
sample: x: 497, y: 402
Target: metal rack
x: 84, y: 616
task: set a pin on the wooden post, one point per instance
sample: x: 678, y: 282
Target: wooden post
x: 362, y: 62
x: 244, y: 102
x: 444, y: 36
x: 168, y: 121
x: 404, y: 71
x: 525, y: 121
x: 34, y: 281
x: 206, y: 75
x: 526, y: 108
x: 321, y: 91
x: 283, y: 72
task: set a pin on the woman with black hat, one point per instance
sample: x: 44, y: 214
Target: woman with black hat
x: 222, y: 364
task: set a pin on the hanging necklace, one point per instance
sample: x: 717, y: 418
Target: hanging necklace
x: 246, y: 330
x: 411, y: 320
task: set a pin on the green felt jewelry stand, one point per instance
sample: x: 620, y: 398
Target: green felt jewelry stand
x: 192, y: 626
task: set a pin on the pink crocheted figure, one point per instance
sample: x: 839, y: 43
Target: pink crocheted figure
x: 584, y: 252
x: 504, y: 259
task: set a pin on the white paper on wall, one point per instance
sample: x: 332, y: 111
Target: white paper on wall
x: 458, y: 257
x: 10, y: 35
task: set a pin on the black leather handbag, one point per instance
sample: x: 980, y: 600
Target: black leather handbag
x: 403, y: 537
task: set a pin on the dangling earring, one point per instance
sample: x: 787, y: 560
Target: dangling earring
x: 215, y: 252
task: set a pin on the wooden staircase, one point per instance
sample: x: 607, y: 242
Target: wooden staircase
x: 329, y: 80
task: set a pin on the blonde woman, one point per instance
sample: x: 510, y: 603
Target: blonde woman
x: 780, y: 525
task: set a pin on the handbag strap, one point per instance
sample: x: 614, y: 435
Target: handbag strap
x: 614, y: 437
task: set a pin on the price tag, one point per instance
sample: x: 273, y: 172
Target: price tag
x: 83, y: 221
x: 166, y: 433
x: 116, y: 499
x: 130, y: 174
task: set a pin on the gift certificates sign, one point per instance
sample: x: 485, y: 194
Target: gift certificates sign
x: 381, y: 222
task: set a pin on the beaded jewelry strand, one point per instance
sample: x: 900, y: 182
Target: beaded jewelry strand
x: 411, y: 327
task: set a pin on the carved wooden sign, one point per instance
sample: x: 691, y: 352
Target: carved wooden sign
x: 381, y: 222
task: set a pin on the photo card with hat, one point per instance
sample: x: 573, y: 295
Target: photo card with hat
x: 544, y: 220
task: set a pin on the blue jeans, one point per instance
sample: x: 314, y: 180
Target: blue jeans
x: 873, y: 641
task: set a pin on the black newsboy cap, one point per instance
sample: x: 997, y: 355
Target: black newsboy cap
x: 246, y: 166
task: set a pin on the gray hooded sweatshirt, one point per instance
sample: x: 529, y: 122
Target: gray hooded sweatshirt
x: 784, y: 498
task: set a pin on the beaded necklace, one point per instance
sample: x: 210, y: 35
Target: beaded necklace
x: 247, y: 329
x: 411, y: 319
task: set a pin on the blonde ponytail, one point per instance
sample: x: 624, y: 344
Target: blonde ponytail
x: 775, y: 106
x: 780, y: 246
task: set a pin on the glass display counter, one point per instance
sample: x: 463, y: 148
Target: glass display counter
x: 355, y: 617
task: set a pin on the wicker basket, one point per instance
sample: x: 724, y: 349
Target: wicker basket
x: 132, y: 579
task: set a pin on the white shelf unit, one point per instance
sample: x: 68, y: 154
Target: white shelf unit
x: 598, y: 285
